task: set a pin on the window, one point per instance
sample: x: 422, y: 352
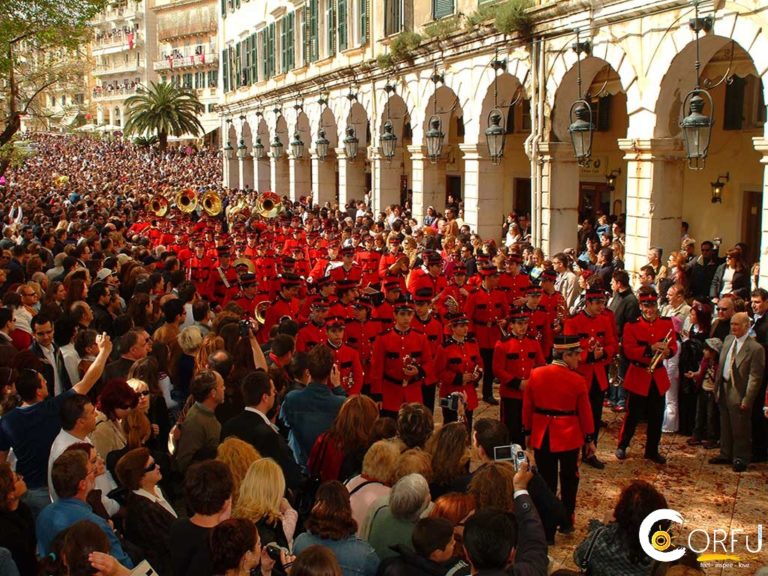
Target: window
x: 245, y: 71
x: 393, y: 17
x: 363, y: 21
x: 330, y: 27
x: 213, y: 78
x: 342, y: 24
x: 310, y: 32
x: 268, y: 51
x: 601, y: 113
x: 225, y: 69
x: 188, y: 80
x: 253, y: 72
x: 442, y: 8
x: 287, y: 42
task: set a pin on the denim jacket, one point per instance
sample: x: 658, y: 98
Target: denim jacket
x: 355, y: 556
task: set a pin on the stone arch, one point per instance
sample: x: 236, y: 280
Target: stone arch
x: 232, y: 135
x: 246, y: 136
x: 509, y: 90
x: 328, y: 123
x: 445, y: 103
x: 262, y: 131
x: 357, y: 118
x: 395, y: 110
x: 302, y: 127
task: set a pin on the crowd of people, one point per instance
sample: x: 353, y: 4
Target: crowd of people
x: 208, y: 391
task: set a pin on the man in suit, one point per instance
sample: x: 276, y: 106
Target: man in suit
x: 254, y: 426
x: 53, y: 368
x: 737, y: 385
x: 759, y: 299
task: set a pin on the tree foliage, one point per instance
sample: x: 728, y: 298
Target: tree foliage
x: 164, y: 110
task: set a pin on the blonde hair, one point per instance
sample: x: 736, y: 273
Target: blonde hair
x: 414, y: 461
x: 136, y: 383
x: 210, y: 344
x: 190, y: 339
x: 261, y: 492
x: 238, y: 456
x: 381, y: 460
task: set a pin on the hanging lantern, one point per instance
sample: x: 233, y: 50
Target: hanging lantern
x: 350, y: 143
x: 581, y: 131
x: 242, y: 149
x: 276, y: 148
x: 435, y: 138
x: 697, y: 128
x: 494, y: 136
x: 388, y: 141
x: 297, y: 146
x: 229, y: 151
x: 321, y: 146
x: 258, y: 149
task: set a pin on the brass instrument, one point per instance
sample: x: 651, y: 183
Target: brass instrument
x: 159, y: 205
x: 561, y: 313
x: 211, y: 203
x: 659, y: 356
x: 268, y: 205
x: 186, y: 201
x: 260, y: 311
x: 451, y: 302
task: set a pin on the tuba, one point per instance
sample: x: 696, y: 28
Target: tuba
x: 260, y: 311
x: 211, y: 203
x: 186, y: 201
x: 268, y: 205
x: 159, y: 205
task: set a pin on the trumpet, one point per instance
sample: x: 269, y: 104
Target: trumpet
x: 659, y: 356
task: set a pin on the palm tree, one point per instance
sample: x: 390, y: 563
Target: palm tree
x: 164, y: 109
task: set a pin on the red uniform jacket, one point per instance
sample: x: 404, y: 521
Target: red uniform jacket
x: 420, y: 278
x: 369, y: 262
x: 637, y: 341
x: 389, y: 352
x: 432, y: 329
x: 337, y: 271
x: 309, y: 336
x: 199, y: 273
x: 350, y: 369
x: 360, y: 336
x: 222, y: 285
x: 556, y: 309
x: 593, y: 330
x: 540, y: 329
x: 513, y: 361
x: 453, y: 359
x: 513, y: 286
x: 484, y: 309
x: 384, y: 316
x: 279, y: 308
x: 458, y: 293
x: 556, y: 399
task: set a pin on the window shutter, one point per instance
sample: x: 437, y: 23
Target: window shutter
x: 330, y: 27
x: 225, y: 68
x: 264, y: 53
x: 442, y: 8
x: 271, y: 30
x: 284, y: 44
x: 223, y: 8
x: 342, y: 7
x: 733, y: 111
x: 363, y: 21
x: 291, y: 35
x: 313, y: 31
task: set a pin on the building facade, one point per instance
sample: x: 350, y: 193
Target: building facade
x: 124, y: 41
x: 356, y: 69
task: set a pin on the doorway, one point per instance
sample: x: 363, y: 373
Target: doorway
x: 452, y: 188
x: 594, y: 197
x: 522, y: 203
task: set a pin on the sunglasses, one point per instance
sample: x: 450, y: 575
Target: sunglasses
x: 721, y: 309
x: 151, y: 468
x: 143, y: 393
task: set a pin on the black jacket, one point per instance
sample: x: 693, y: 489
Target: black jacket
x: 740, y: 283
x: 251, y: 428
x: 408, y: 563
x: 47, y: 369
x: 625, y: 309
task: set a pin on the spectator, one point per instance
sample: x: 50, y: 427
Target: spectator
x: 238, y: 456
x: 208, y: 491
x: 330, y: 524
x: 731, y: 277
x: 414, y: 425
x: 625, y: 309
x: 316, y: 561
x: 134, y: 345
x: 450, y: 457
x: 375, y: 480
x: 200, y: 432
x: 51, y: 360
x: 115, y: 401
x: 701, y: 271
x: 17, y: 527
x: 721, y: 327
x: 235, y: 549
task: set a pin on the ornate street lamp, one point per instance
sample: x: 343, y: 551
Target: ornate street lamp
x: 276, y: 148
x: 435, y: 135
x: 258, y: 148
x: 581, y: 126
x: 297, y: 146
x: 717, y: 188
x: 321, y: 145
x: 697, y: 126
x: 229, y: 152
x: 242, y: 150
x: 388, y: 140
x: 494, y: 133
x: 350, y: 143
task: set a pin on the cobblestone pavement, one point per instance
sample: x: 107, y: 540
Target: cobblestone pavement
x: 709, y: 497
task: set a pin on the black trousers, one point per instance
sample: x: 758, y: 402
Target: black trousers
x: 453, y: 416
x: 428, y: 396
x: 511, y: 414
x: 652, y: 407
x: 596, y: 397
x: 759, y: 428
x: 562, y: 465
x: 487, y: 355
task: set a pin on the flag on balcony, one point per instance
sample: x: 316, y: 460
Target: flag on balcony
x: 170, y: 61
x: 202, y: 58
x: 130, y: 40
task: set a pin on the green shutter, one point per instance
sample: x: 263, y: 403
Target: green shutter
x: 223, y: 8
x: 254, y: 73
x: 272, y: 68
x: 342, y: 14
x: 264, y: 63
x: 363, y: 21
x: 238, y: 68
x: 314, y: 36
x: 330, y: 27
x: 284, y: 44
x: 442, y: 8
x: 290, y: 22
x: 225, y: 68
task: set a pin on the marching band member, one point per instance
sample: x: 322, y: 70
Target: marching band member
x: 345, y: 357
x: 313, y: 331
x: 424, y: 321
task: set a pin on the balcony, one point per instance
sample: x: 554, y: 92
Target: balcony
x: 181, y: 60
x: 119, y: 38
x: 195, y: 21
x: 133, y: 67
x: 103, y: 94
x: 131, y: 10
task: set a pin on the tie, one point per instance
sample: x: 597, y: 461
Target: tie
x: 731, y: 361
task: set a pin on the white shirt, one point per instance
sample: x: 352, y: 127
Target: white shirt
x: 71, y: 362
x: 730, y: 356
x: 727, y: 281
x: 23, y: 319
x: 50, y: 355
x: 158, y: 498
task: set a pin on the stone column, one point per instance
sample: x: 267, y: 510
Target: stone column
x: 301, y: 180
x: 559, y: 199
x: 323, y: 179
x: 654, y: 197
x: 261, y: 175
x: 385, y: 179
x: 761, y: 145
x: 280, y: 176
x: 245, y: 171
x: 428, y: 183
x: 483, y: 193
x: 231, y: 172
x: 351, y: 176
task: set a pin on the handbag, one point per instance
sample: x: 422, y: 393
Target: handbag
x: 584, y: 568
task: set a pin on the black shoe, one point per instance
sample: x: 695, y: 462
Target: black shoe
x: 621, y: 453
x: 595, y: 462
x: 658, y: 458
x: 491, y: 400
x: 739, y: 466
x: 719, y: 460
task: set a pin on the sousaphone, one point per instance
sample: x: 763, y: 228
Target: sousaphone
x: 268, y: 205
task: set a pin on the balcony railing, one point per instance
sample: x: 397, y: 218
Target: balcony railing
x: 125, y: 68
x: 104, y: 93
x: 118, y: 13
x: 119, y: 37
x: 180, y: 60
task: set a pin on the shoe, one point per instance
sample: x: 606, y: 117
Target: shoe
x: 595, y: 462
x: 619, y: 408
x: 658, y: 458
x: 739, y: 466
x: 491, y: 400
x: 621, y: 453
x: 710, y: 444
x: 694, y: 441
x: 719, y: 459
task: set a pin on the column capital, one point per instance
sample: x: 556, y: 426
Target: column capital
x: 417, y: 152
x: 558, y: 151
x: 760, y: 143
x: 471, y: 152
x: 647, y: 149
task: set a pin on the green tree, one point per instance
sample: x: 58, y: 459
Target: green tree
x: 164, y: 110
x: 37, y: 41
